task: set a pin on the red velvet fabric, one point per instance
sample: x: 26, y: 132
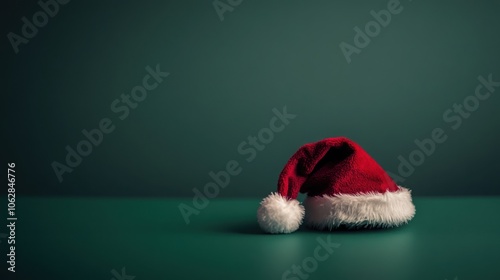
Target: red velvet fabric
x: 333, y: 166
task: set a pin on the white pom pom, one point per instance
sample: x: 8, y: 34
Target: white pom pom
x: 277, y: 214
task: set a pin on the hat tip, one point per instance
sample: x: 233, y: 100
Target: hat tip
x: 278, y: 214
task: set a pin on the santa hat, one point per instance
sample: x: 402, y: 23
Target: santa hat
x: 344, y: 186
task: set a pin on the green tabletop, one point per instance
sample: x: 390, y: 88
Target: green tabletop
x: 121, y: 238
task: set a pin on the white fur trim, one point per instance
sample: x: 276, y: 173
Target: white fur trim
x: 387, y: 209
x: 277, y: 214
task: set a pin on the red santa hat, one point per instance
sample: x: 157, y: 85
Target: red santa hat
x: 344, y: 186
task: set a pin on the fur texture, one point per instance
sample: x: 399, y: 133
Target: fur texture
x: 387, y: 209
x: 278, y: 214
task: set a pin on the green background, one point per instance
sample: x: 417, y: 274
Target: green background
x: 87, y: 238
x: 120, y: 206
x: 225, y: 79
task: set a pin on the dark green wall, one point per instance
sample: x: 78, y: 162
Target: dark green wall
x: 225, y: 79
